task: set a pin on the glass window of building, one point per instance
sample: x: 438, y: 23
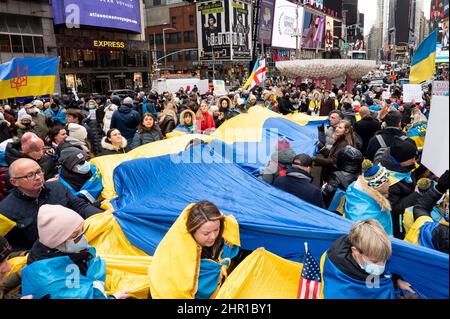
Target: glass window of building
x: 5, y: 44
x: 174, y: 22
x: 16, y: 41
x: 24, y: 26
x: 189, y: 37
x: 3, y: 27
x: 191, y: 20
x: 28, y: 44
x: 11, y: 22
x: 38, y: 44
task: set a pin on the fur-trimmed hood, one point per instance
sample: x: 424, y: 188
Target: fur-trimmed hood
x: 182, y: 117
x: 219, y: 103
x: 376, y: 195
x: 108, y: 146
x: 23, y: 127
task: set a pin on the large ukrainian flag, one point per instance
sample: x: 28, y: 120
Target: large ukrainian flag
x: 423, y: 64
x: 28, y: 77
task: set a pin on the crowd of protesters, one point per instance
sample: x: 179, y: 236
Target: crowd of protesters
x: 368, y: 161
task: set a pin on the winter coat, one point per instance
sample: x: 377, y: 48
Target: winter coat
x: 23, y: 210
x: 299, y: 183
x: 109, y: 149
x: 12, y: 121
x: 95, y: 134
x: 147, y: 136
x: 401, y: 195
x: 22, y: 129
x: 126, y: 121
x: 388, y: 135
x: 327, y: 160
x: 366, y: 129
x: 4, y: 132
x: 41, y: 127
x: 285, y: 106
x: 327, y: 106
x: 348, y: 163
x: 168, y: 122
x: 183, y: 127
x: 207, y: 124
x: 109, y: 110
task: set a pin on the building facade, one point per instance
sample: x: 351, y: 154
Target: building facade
x: 100, y: 59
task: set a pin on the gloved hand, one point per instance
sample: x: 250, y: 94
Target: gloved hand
x: 443, y: 183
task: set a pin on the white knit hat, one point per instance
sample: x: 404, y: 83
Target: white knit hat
x: 77, y: 131
x: 56, y: 224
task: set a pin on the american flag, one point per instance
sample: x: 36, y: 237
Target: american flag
x: 310, y: 280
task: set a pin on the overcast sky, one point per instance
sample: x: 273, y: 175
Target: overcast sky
x: 369, y: 8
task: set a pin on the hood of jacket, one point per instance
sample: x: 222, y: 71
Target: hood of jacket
x: 340, y: 254
x: 13, y: 152
x: 125, y: 109
x: 23, y: 127
x: 108, y: 146
x: 350, y: 160
x: 219, y: 103
x: 182, y: 122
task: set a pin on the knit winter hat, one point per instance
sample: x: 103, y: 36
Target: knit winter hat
x: 77, y: 131
x: 403, y: 150
x: 128, y: 101
x: 56, y: 224
x: 72, y: 156
x: 375, y: 175
x: 26, y: 117
x: 5, y: 249
x: 283, y: 143
x: 424, y: 184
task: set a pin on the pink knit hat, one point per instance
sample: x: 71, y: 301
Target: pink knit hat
x: 56, y: 224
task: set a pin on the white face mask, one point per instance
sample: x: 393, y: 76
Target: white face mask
x: 71, y: 247
x: 83, y: 168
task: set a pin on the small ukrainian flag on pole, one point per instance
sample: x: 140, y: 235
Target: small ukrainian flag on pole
x: 423, y: 64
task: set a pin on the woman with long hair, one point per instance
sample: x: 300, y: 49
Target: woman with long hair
x: 205, y: 121
x: 148, y: 131
x: 327, y: 159
x: 168, y: 119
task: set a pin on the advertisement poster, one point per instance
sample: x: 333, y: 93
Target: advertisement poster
x: 224, y: 30
x: 123, y: 15
x: 285, y: 24
x: 329, y: 34
x: 440, y: 88
x: 316, y: 4
x: 242, y: 30
x: 266, y: 17
x: 439, y: 19
x: 313, y: 31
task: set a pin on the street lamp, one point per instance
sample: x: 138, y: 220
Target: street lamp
x: 164, y: 44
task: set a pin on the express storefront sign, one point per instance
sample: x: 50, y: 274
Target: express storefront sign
x: 109, y: 44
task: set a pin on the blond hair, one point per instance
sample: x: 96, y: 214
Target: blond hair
x: 371, y: 240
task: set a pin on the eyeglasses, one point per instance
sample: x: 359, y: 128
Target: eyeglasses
x: 31, y: 176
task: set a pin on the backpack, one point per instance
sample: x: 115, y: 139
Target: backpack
x: 379, y: 155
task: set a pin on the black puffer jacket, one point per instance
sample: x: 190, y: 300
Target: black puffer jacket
x: 348, y: 162
x: 95, y: 135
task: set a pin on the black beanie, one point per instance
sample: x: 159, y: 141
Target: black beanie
x: 72, y: 156
x: 403, y: 150
x: 5, y: 249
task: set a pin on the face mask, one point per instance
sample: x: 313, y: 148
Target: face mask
x: 83, y: 168
x: 373, y: 269
x: 74, y: 248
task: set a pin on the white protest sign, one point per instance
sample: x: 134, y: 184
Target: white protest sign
x: 412, y: 92
x: 219, y: 88
x: 386, y: 95
x: 440, y: 88
x: 435, y: 155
